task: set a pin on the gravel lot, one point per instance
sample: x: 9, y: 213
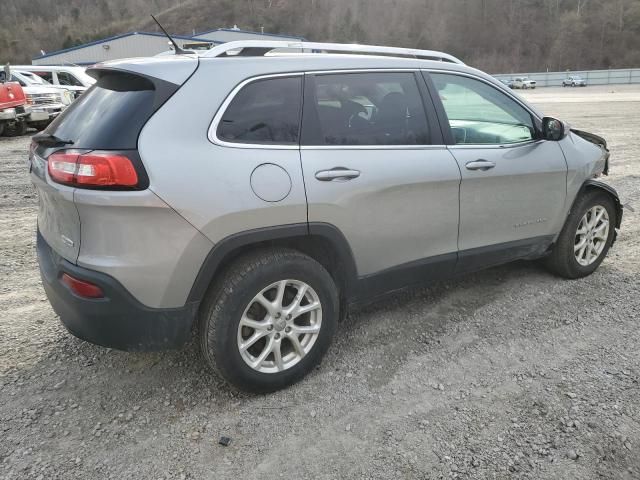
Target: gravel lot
x: 509, y: 373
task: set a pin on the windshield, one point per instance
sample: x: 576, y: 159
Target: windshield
x: 32, y: 78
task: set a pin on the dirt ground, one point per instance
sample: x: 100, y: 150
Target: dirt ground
x: 508, y: 373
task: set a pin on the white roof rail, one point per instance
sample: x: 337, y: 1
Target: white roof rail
x: 261, y: 47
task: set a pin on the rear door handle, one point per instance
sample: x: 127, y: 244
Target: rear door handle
x: 338, y: 173
x: 481, y: 164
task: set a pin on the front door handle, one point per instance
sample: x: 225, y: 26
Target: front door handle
x: 338, y: 173
x: 481, y: 164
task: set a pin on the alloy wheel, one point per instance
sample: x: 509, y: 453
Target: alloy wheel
x: 591, y: 235
x: 279, y: 326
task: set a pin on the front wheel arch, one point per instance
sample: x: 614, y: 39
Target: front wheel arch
x: 595, y: 185
x: 591, y: 185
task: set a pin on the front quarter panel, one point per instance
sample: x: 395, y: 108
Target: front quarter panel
x: 585, y: 161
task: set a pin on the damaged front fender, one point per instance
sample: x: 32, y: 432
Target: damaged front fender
x: 596, y: 140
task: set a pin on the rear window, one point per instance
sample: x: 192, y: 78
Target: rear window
x: 111, y: 114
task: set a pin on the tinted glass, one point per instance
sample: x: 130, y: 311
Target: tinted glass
x: 48, y: 76
x: 264, y: 112
x: 65, y: 78
x: 369, y: 109
x: 109, y: 115
x: 481, y: 114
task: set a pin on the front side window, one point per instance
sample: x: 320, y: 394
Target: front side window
x: 481, y: 114
x: 264, y: 112
x: 48, y: 76
x: 367, y: 109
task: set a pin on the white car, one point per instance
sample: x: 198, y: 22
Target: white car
x: 72, y: 78
x: 47, y: 101
x: 574, y: 81
x: 523, y: 83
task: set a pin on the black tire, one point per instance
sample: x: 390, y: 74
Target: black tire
x: 230, y: 295
x: 15, y: 129
x: 39, y: 126
x: 562, y: 259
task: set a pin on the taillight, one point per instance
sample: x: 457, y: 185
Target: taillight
x: 93, y: 169
x: 81, y: 287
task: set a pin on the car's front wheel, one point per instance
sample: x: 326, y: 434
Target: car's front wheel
x: 268, y: 320
x: 586, y: 237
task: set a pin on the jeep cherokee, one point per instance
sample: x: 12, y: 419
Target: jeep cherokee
x: 252, y: 192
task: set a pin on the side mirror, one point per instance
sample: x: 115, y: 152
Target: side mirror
x: 554, y: 129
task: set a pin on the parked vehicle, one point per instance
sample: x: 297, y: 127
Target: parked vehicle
x: 46, y: 101
x: 261, y: 216
x: 72, y: 78
x: 574, y: 81
x: 507, y: 83
x: 523, y: 83
x: 13, y: 109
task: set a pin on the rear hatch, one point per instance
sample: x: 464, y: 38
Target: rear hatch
x: 104, y: 122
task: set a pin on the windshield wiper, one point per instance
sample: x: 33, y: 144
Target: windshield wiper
x: 48, y: 140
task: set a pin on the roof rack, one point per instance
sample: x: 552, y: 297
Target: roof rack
x: 256, y: 48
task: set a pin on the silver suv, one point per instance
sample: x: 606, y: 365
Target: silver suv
x: 252, y: 192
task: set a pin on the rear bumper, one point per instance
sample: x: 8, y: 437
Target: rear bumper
x: 40, y: 113
x: 118, y: 320
x: 8, y: 114
x: 17, y: 113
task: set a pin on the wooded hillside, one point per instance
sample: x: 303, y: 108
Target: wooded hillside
x: 494, y: 35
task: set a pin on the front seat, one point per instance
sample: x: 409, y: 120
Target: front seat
x: 392, y: 118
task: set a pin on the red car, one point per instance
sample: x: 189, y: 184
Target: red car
x: 13, y: 109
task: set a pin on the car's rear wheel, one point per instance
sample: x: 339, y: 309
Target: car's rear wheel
x: 586, y: 237
x: 268, y: 320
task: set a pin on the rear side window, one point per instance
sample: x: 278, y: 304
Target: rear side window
x: 264, y: 112
x: 366, y: 109
x: 111, y: 114
x: 65, y: 78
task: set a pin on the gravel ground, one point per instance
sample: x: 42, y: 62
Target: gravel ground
x: 508, y: 373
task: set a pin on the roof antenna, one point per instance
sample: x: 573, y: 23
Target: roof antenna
x: 177, y: 49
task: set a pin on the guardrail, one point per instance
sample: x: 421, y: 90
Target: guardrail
x: 593, y: 77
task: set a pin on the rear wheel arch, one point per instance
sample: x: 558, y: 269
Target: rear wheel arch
x: 323, y: 242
